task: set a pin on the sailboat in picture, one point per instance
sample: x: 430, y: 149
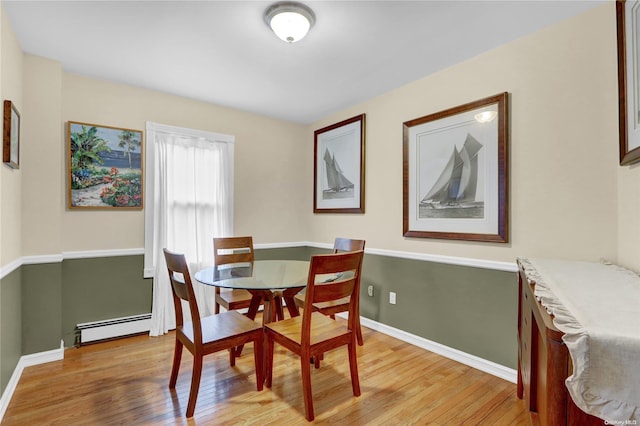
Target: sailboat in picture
x: 339, y: 185
x: 454, y: 192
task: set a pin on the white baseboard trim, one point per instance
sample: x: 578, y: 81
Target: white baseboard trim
x: 478, y: 363
x: 23, y: 362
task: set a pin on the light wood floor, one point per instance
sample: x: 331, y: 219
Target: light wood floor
x: 126, y: 382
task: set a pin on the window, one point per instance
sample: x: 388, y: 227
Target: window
x: 189, y: 200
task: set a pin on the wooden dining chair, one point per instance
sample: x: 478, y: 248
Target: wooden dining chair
x: 226, y: 251
x: 312, y: 333
x: 204, y: 336
x: 333, y: 307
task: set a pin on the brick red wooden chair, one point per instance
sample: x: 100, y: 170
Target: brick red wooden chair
x: 313, y: 333
x: 226, y: 251
x: 333, y: 307
x: 204, y: 336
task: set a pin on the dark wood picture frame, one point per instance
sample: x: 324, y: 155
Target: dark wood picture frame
x: 628, y: 80
x: 105, y: 167
x: 338, y: 167
x: 11, y: 136
x: 455, y: 172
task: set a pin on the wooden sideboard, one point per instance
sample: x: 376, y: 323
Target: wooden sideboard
x: 544, y: 364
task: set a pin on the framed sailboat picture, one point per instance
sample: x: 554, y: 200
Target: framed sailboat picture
x: 338, y: 167
x: 455, y: 168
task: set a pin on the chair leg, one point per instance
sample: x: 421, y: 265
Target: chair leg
x: 279, y: 309
x: 305, y: 366
x: 353, y: 367
x: 317, y: 359
x: 232, y: 357
x: 268, y: 358
x: 258, y: 358
x: 195, y: 385
x: 177, y: 356
x: 359, y: 331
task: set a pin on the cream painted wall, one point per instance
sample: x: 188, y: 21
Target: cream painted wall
x: 565, y: 199
x: 563, y: 151
x: 42, y: 154
x: 628, y: 217
x: 267, y: 160
x: 11, y: 179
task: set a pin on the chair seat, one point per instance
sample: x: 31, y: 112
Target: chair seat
x: 234, y: 299
x: 221, y: 327
x: 323, y: 329
x: 331, y: 308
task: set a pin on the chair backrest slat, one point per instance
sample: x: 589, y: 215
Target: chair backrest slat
x: 346, y: 244
x: 182, y: 289
x: 228, y: 250
x: 179, y: 287
x: 325, y: 292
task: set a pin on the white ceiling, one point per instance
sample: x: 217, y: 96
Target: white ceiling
x: 222, y: 52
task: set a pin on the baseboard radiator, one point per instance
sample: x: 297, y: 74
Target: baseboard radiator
x: 96, y: 331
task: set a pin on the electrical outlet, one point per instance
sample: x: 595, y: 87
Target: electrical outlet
x: 392, y: 297
x: 370, y: 291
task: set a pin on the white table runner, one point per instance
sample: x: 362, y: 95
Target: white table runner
x: 597, y: 306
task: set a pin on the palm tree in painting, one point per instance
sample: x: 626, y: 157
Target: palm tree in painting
x: 86, y: 147
x: 129, y: 142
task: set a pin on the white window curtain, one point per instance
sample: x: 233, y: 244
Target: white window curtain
x: 191, y: 183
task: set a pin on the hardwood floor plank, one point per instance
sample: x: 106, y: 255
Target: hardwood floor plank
x: 126, y: 382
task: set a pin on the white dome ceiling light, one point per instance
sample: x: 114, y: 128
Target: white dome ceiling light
x: 290, y: 21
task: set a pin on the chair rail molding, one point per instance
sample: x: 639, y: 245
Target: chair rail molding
x: 428, y: 257
x: 437, y: 258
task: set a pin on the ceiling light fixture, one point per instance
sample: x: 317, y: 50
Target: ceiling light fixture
x: 290, y: 21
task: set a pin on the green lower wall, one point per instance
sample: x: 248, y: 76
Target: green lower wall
x: 470, y: 309
x: 41, y: 307
x: 102, y: 288
x: 10, y: 325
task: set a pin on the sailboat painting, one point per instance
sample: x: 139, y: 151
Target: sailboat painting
x: 454, y: 193
x: 455, y: 172
x: 339, y: 167
x: 337, y: 184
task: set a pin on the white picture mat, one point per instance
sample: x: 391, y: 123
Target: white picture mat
x: 430, y: 147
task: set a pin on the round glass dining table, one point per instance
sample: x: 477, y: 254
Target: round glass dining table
x: 268, y: 281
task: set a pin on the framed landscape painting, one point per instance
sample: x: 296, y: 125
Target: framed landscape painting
x: 105, y: 167
x: 11, y: 136
x: 455, y: 173
x: 338, y: 167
